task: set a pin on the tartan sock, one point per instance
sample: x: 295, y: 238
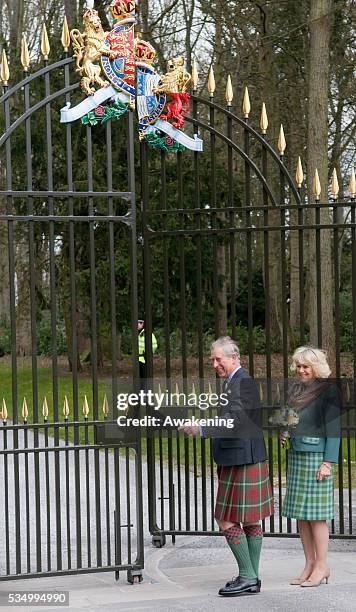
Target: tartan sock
x: 254, y: 537
x: 237, y: 542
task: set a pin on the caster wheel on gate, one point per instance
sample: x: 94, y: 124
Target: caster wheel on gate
x: 159, y: 541
x: 134, y: 578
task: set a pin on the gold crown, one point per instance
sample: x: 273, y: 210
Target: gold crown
x: 120, y: 9
x: 144, y: 51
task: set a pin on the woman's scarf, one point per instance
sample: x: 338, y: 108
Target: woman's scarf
x: 302, y: 394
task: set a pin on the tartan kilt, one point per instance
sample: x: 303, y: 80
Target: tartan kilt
x: 244, y: 493
x: 306, y: 497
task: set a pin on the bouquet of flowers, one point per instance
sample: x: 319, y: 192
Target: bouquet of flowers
x: 288, y: 419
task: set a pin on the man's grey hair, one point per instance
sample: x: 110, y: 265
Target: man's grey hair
x: 228, y: 345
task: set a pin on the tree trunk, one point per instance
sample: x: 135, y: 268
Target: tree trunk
x: 70, y: 9
x: 318, y: 158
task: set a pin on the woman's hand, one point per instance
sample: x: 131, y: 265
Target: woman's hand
x: 283, y: 437
x: 324, y: 470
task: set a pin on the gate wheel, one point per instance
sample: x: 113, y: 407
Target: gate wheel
x: 159, y: 541
x: 134, y: 577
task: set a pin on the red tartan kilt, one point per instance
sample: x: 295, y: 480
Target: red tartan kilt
x: 244, y: 493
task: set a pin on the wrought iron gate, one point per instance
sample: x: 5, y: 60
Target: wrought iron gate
x: 72, y: 499
x: 72, y: 503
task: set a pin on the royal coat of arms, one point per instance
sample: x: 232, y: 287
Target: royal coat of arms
x: 118, y: 75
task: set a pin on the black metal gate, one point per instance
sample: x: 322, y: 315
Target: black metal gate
x: 202, y: 228
x: 71, y: 499
x: 72, y: 502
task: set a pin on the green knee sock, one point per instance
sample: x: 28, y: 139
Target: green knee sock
x: 237, y: 542
x: 254, y: 537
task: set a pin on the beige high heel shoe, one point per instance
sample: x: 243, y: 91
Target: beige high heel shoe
x: 316, y: 583
x: 299, y: 581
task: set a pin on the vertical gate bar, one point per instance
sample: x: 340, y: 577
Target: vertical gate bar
x: 87, y: 491
x: 197, y: 203
x: 33, y: 316
x: 336, y: 289
x: 230, y: 174
x: 128, y: 504
x: 214, y: 215
x: 74, y: 347
x: 353, y: 389
x: 68, y: 489
x: 161, y: 479
x: 6, y: 499
x: 111, y: 231
x: 268, y: 332
x: 134, y: 309
x: 48, y: 495
x: 301, y: 266
x: 73, y: 296
x: 318, y: 272
x: 341, y: 488
x: 27, y: 499
x: 284, y: 282
x: 151, y: 473
x: 10, y: 230
x: 94, y: 338
x: 249, y: 249
x: 53, y: 309
x: 107, y: 504
x: 117, y: 511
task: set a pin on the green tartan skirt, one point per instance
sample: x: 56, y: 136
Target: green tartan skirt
x: 307, y: 498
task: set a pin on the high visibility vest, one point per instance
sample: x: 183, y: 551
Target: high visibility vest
x: 141, y: 345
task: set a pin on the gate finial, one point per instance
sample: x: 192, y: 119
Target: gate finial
x: 25, y: 57
x: 45, y: 48
x: 281, y: 141
x: 211, y: 82
x: 65, y: 38
x: 264, y: 119
x: 316, y: 185
x: 334, y: 185
x: 195, y: 76
x: 246, y: 105
x: 299, y: 175
x: 229, y: 93
x: 352, y: 184
x: 45, y: 409
x: 4, y: 71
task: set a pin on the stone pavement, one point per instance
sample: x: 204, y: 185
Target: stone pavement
x: 188, y: 575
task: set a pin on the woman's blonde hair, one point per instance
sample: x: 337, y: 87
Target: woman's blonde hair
x: 314, y: 357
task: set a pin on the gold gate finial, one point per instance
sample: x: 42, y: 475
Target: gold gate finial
x: 316, y: 185
x: 281, y: 141
x: 66, y: 408
x: 211, y: 82
x: 264, y: 119
x: 4, y: 71
x: 45, y: 48
x: 229, y: 93
x: 105, y: 406
x: 246, y: 105
x: 85, y: 407
x: 4, y: 410
x: 334, y: 185
x: 45, y: 409
x: 65, y: 38
x: 299, y: 175
x: 195, y: 76
x: 24, y: 410
x: 25, y: 57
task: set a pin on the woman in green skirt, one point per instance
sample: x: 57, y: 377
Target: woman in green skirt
x: 314, y: 448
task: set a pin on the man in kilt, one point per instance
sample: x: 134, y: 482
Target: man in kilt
x: 244, y: 495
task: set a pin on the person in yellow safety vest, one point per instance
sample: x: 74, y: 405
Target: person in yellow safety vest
x: 141, y: 351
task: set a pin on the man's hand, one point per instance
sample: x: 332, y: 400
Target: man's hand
x: 190, y: 430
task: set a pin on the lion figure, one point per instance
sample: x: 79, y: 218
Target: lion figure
x: 88, y: 48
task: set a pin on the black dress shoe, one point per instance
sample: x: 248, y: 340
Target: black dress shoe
x: 259, y: 583
x: 240, y: 586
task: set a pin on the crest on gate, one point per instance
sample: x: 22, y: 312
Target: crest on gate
x: 118, y: 74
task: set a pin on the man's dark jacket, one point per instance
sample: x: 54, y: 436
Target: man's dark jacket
x: 244, y: 443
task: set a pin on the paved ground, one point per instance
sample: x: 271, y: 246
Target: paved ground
x: 188, y: 575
